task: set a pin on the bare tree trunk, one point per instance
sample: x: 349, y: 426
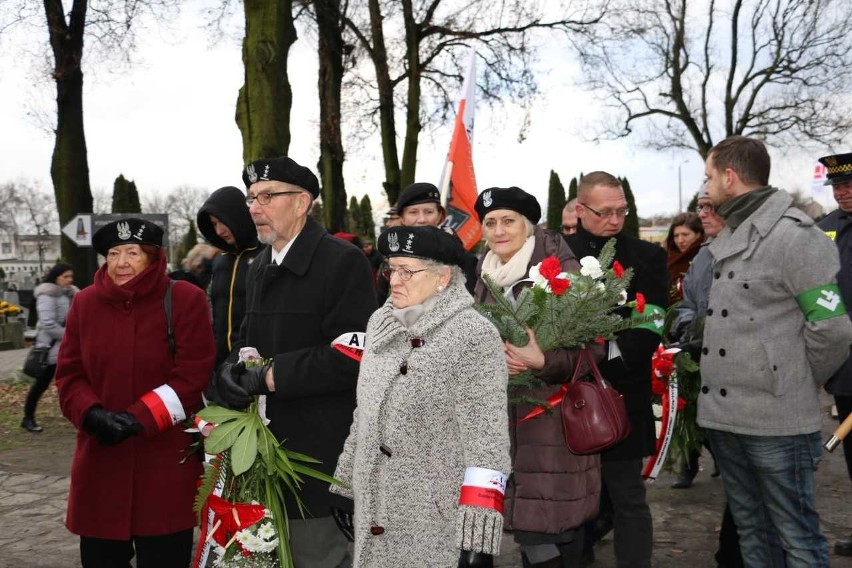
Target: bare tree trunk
x: 69, y: 167
x: 384, y: 89
x: 330, y: 47
x: 265, y: 99
x: 412, y: 107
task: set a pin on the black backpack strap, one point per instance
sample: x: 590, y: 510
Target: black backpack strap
x: 170, y: 331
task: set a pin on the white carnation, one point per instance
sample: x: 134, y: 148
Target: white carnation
x: 590, y: 267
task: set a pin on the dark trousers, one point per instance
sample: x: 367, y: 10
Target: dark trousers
x: 172, y: 550
x: 633, y: 530
x: 844, y: 408
x: 39, y: 386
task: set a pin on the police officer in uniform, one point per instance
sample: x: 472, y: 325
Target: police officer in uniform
x: 838, y: 226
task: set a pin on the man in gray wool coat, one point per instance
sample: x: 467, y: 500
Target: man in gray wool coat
x: 776, y: 329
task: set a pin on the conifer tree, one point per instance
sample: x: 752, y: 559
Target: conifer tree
x: 631, y: 222
x: 368, y: 226
x: 693, y: 203
x: 353, y: 217
x: 555, y: 202
x: 125, y: 198
x: 189, y: 240
x: 572, y: 189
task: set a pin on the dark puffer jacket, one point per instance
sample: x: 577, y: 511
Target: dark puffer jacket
x: 550, y: 490
x: 228, y: 283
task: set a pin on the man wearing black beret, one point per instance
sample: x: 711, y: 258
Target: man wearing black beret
x: 419, y: 205
x: 309, y: 296
x: 601, y: 210
x: 838, y: 226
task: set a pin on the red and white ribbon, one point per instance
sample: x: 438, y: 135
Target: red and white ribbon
x: 669, y: 400
x: 165, y: 406
x: 483, y: 488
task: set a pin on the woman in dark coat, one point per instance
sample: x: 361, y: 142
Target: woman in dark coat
x: 683, y: 242
x: 127, y: 392
x: 551, y: 491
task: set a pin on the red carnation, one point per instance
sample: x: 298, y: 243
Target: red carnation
x: 559, y: 285
x: 681, y: 403
x: 662, y: 367
x: 617, y: 269
x: 601, y: 339
x: 640, y: 302
x: 550, y: 267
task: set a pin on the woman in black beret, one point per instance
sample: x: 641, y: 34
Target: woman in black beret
x: 428, y: 453
x: 127, y: 385
x: 551, y: 491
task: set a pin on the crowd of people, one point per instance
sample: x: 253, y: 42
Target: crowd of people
x: 435, y: 461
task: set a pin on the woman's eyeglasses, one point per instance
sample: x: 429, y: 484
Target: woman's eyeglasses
x: 404, y: 273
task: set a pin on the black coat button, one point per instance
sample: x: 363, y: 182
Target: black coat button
x: 709, y: 311
x: 705, y: 390
x: 745, y: 285
x: 705, y: 351
x: 724, y: 313
x: 716, y: 275
x: 385, y: 450
x: 774, y: 367
x: 731, y: 274
x: 723, y: 392
x: 721, y: 352
x: 377, y: 530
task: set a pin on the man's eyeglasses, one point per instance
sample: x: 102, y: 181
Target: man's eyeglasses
x: 623, y: 212
x: 266, y: 196
x: 705, y: 208
x: 404, y: 273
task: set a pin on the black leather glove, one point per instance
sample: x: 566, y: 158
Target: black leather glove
x: 252, y: 379
x: 343, y: 520
x: 226, y: 389
x: 110, y: 428
x: 468, y: 559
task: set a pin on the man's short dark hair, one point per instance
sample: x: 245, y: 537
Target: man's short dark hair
x: 746, y: 156
x: 593, y: 179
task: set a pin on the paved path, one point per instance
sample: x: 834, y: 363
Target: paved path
x: 686, y: 522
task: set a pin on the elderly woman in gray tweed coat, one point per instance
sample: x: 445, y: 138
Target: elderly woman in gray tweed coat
x: 427, y: 457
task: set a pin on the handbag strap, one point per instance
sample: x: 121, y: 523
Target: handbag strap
x: 586, y: 356
x: 170, y: 331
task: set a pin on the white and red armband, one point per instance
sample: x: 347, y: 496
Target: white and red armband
x: 165, y: 407
x: 351, y: 344
x: 483, y: 488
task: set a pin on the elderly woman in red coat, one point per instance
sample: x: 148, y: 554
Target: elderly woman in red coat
x: 127, y: 390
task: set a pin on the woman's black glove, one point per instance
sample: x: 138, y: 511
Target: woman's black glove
x: 469, y: 559
x: 110, y: 428
x: 343, y: 519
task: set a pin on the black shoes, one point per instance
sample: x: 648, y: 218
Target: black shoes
x: 843, y: 547
x: 30, y: 425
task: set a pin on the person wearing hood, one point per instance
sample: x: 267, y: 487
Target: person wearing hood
x: 225, y: 222
x: 53, y: 298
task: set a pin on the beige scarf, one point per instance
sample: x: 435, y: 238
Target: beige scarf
x: 509, y: 273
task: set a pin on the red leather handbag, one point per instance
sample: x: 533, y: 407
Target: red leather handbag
x: 594, y: 416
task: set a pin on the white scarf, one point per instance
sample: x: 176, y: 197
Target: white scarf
x: 506, y: 274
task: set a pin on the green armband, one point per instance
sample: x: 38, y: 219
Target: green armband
x: 653, y: 318
x: 831, y: 235
x: 821, y: 302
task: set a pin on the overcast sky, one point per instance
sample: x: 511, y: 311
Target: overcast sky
x: 168, y: 121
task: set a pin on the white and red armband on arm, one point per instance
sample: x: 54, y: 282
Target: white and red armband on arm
x: 165, y: 406
x: 351, y: 344
x: 483, y: 488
